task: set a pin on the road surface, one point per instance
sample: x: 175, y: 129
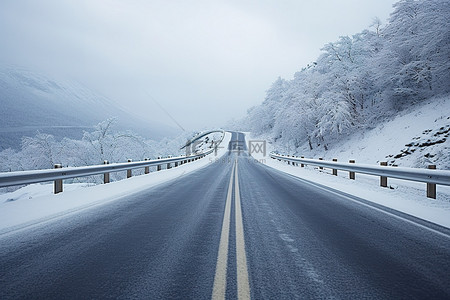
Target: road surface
x: 234, y: 229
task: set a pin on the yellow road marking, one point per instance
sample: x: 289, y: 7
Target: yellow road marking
x: 241, y: 258
x: 220, y: 278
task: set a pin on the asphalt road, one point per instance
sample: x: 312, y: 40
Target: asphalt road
x: 234, y: 229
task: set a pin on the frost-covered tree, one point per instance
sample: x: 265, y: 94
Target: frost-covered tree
x: 102, y: 143
x: 40, y: 152
x: 358, y: 80
x: 262, y: 118
x: 10, y: 161
x: 415, y: 61
x: 335, y: 117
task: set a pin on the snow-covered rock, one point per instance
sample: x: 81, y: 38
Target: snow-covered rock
x: 417, y: 137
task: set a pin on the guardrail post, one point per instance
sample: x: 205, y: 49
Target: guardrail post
x: 335, y: 170
x: 431, y: 187
x: 129, y: 174
x: 288, y: 160
x: 106, y: 175
x: 176, y: 164
x: 302, y: 165
x: 158, y: 167
x: 58, y: 185
x: 383, y: 179
x: 168, y: 166
x: 146, y: 169
x: 351, y: 174
x: 320, y: 168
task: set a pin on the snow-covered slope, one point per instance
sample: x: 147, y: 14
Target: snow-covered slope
x: 32, y: 101
x: 416, y: 137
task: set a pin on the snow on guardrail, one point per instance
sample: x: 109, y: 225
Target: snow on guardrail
x: 58, y: 174
x: 429, y: 176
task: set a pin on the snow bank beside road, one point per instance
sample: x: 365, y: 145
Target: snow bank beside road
x: 405, y: 196
x: 416, y: 137
x: 37, y: 203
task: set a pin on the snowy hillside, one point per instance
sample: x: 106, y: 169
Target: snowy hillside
x: 368, y: 95
x: 32, y: 101
x: 415, y: 138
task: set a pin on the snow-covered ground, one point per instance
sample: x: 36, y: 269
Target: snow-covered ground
x: 417, y: 137
x: 405, y: 196
x: 36, y: 203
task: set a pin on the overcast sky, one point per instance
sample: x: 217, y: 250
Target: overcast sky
x: 204, y: 61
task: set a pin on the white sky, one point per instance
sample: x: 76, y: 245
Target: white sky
x: 203, y: 61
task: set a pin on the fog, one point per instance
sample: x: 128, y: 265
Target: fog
x: 204, y: 62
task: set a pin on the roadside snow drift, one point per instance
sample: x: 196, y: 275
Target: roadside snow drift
x: 36, y: 203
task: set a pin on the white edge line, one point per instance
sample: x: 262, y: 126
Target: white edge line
x: 368, y: 205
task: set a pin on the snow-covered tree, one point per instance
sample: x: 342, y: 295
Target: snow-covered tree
x: 40, y: 152
x: 358, y: 80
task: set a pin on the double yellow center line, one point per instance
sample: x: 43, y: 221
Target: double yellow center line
x: 220, y: 278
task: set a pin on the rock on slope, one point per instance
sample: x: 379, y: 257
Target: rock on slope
x: 416, y: 137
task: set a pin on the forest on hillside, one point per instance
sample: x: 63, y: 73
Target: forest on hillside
x: 103, y: 142
x: 359, y: 81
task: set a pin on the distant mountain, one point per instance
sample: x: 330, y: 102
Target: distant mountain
x: 30, y: 102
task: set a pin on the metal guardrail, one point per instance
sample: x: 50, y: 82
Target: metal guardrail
x: 202, y: 134
x: 429, y: 176
x: 58, y: 174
